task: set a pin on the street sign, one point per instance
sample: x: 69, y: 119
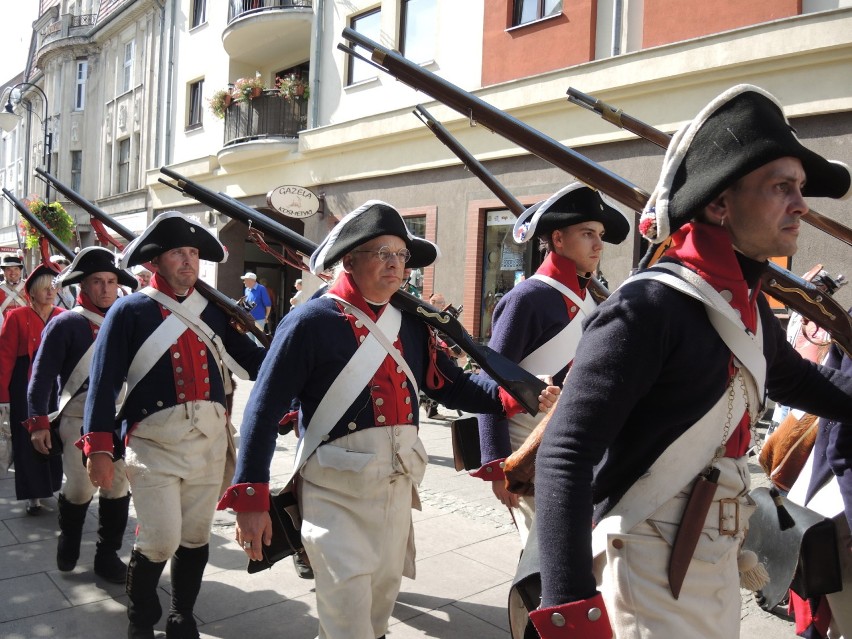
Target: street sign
x: 293, y: 201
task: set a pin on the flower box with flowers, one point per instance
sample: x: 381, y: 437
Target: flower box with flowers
x: 292, y: 86
x: 246, y: 89
x: 53, y: 216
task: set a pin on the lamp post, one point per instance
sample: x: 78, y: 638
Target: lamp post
x: 9, y: 120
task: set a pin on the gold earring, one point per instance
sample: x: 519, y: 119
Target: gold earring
x: 722, y: 223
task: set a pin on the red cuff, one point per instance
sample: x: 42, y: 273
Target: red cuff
x: 95, y: 442
x: 510, y: 405
x: 584, y: 619
x: 292, y: 416
x: 37, y: 422
x: 492, y: 471
x: 245, y: 498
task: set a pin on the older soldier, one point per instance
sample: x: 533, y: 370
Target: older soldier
x: 172, y: 347
x: 355, y: 363
x: 12, y: 287
x: 667, y: 384
x: 65, y: 354
x: 538, y: 322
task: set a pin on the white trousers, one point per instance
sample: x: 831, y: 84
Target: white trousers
x: 77, y: 488
x: 356, y: 495
x: 520, y: 427
x: 175, y: 462
x: 633, y: 574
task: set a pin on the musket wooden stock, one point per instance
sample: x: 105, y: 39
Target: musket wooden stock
x: 644, y: 130
x: 520, y: 384
x: 239, y: 319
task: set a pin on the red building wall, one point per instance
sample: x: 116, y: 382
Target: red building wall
x: 668, y: 21
x: 553, y: 43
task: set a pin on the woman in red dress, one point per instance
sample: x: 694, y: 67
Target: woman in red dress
x: 20, y: 337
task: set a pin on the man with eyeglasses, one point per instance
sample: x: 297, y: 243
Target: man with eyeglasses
x: 355, y: 363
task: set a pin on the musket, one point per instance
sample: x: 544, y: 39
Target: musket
x: 520, y: 384
x: 476, y: 167
x: 38, y: 225
x: 778, y: 282
x: 238, y: 318
x: 619, y: 118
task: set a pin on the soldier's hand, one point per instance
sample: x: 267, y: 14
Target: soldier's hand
x: 101, y: 470
x: 253, y: 529
x: 508, y: 499
x: 41, y: 440
x: 548, y: 398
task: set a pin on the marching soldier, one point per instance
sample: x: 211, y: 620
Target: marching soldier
x: 355, y: 363
x: 172, y: 347
x: 12, y: 288
x: 667, y: 384
x: 538, y: 322
x: 65, y: 354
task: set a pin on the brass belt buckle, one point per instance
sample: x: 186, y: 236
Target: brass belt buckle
x: 729, y: 509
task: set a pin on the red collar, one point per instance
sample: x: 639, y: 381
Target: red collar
x: 163, y: 286
x: 346, y: 288
x: 562, y: 270
x: 84, y: 301
x: 707, y: 250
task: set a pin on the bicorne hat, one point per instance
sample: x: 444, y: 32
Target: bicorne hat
x: 370, y: 220
x: 45, y: 268
x: 95, y: 259
x: 738, y: 132
x: 10, y: 259
x: 571, y: 205
x: 171, y: 230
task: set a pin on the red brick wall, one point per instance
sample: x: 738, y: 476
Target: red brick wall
x: 549, y: 44
x: 668, y: 21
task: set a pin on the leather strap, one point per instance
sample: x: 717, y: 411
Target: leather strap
x: 80, y: 373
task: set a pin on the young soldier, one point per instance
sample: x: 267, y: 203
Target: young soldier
x: 667, y: 382
x: 12, y: 286
x: 538, y: 322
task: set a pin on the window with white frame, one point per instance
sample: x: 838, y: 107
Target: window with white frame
x: 368, y: 24
x: 127, y: 68
x: 199, y: 13
x: 531, y: 10
x: 418, y: 29
x: 196, y: 108
x: 76, y: 170
x: 80, y: 85
x: 124, y: 165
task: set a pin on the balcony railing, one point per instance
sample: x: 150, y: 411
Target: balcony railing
x: 240, y: 8
x: 67, y: 25
x: 266, y: 116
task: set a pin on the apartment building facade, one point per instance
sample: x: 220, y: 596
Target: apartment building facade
x: 337, y: 126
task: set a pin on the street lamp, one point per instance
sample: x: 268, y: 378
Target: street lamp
x: 9, y: 120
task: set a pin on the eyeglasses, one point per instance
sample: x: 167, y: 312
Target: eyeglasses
x: 384, y: 254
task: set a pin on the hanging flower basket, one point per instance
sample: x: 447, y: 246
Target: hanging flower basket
x: 220, y: 101
x: 292, y: 87
x: 55, y: 218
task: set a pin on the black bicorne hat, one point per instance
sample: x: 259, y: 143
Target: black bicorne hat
x: 571, y: 205
x: 45, y: 268
x: 737, y: 133
x: 95, y: 259
x: 171, y: 230
x: 370, y: 220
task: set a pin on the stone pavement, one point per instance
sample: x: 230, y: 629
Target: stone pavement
x: 467, y: 549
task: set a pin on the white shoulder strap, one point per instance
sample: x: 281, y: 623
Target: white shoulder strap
x: 80, y: 373
x: 746, y: 347
x: 557, y: 352
x: 348, y: 384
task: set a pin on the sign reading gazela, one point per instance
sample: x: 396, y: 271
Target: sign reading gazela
x: 293, y: 201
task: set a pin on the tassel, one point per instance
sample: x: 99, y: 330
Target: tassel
x: 753, y: 575
x: 784, y: 519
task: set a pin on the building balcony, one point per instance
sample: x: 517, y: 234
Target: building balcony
x: 67, y: 30
x: 266, y: 32
x: 264, y: 126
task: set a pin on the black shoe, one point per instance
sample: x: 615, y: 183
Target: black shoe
x: 108, y: 566
x: 33, y: 507
x: 303, y: 565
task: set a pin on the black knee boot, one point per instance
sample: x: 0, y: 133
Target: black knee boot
x: 112, y: 522
x: 187, y: 570
x: 143, y: 608
x: 71, y: 520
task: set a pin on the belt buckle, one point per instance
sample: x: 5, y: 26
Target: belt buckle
x: 729, y: 508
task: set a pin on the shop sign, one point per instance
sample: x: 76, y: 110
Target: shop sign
x: 293, y: 201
